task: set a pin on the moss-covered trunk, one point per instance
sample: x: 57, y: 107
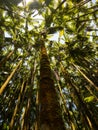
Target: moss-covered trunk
x: 50, y: 117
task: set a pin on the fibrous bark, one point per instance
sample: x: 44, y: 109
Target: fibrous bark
x: 50, y: 117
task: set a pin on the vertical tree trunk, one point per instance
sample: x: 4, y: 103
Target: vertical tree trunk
x: 50, y: 116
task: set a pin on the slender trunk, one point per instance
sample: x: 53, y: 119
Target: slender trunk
x: 50, y: 117
x: 16, y: 107
x: 6, y: 58
x: 85, y: 77
x: 91, y: 122
x: 88, y: 80
x: 87, y: 115
x: 82, y: 115
x: 26, y: 124
x: 37, y: 108
x: 70, y: 120
x: 1, y: 36
x: 63, y: 99
x: 9, y: 78
x: 37, y: 112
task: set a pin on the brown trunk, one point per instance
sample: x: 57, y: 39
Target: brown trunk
x: 50, y: 117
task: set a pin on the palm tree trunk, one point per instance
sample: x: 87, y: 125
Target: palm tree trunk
x: 50, y: 117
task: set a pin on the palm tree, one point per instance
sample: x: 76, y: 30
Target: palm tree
x: 49, y: 114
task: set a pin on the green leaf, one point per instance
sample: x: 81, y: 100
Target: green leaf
x: 89, y: 99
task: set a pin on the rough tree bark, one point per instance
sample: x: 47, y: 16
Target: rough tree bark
x: 50, y: 117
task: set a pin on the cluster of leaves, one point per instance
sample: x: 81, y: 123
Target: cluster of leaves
x: 73, y: 57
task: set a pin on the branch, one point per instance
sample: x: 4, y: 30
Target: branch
x: 82, y: 15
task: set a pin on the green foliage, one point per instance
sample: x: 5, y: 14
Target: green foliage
x: 89, y: 99
x: 73, y: 24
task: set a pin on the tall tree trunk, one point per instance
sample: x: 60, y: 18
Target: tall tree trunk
x: 50, y: 117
